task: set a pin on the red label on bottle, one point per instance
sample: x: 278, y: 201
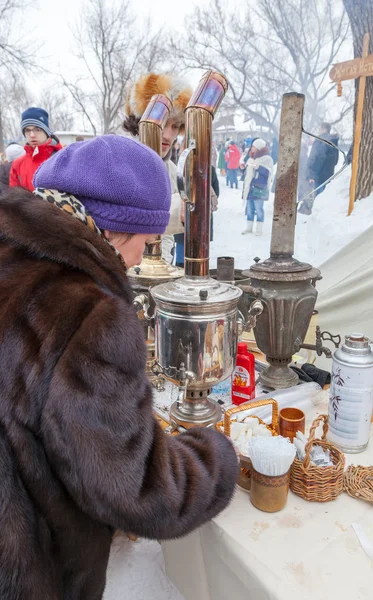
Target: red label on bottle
x: 243, y: 379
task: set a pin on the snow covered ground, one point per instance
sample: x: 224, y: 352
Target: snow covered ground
x: 318, y: 236
x: 136, y: 572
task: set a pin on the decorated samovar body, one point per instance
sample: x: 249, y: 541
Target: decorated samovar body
x: 285, y: 286
x: 153, y: 268
x: 196, y: 316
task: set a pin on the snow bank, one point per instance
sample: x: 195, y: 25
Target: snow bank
x: 329, y: 228
x: 317, y: 237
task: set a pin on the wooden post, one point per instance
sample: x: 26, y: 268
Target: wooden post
x: 357, y: 134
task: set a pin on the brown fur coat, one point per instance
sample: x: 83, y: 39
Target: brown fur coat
x: 80, y: 451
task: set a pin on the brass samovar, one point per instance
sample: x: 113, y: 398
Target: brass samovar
x: 153, y: 268
x: 285, y: 286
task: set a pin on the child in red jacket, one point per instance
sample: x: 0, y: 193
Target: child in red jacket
x: 40, y: 145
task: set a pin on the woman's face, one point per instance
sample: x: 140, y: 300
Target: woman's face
x: 130, y: 246
x: 169, y: 135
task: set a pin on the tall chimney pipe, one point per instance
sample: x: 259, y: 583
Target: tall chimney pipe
x: 285, y: 206
x: 198, y: 126
x: 151, y: 126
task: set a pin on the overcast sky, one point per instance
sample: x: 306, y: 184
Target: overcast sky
x: 50, y: 20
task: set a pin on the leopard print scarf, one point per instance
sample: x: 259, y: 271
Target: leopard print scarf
x: 73, y: 206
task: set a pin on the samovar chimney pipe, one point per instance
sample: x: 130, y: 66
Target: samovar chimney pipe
x: 151, y: 126
x: 195, y: 188
x: 285, y: 204
x: 153, y: 121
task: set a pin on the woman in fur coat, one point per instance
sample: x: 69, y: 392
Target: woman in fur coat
x: 257, y: 184
x: 81, y: 453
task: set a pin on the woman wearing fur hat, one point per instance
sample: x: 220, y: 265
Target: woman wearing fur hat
x: 257, y: 184
x: 138, y: 98
x: 41, y: 144
x: 81, y: 453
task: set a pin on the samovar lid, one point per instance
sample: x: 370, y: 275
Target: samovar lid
x: 196, y: 291
x: 279, y: 264
x: 152, y: 272
x: 281, y: 269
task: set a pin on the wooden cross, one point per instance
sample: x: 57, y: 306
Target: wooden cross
x: 359, y: 68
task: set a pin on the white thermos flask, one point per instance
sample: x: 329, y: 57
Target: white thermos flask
x: 351, y: 394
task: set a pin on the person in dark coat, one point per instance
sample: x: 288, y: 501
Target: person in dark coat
x: 274, y: 150
x: 12, y: 151
x: 81, y: 453
x: 323, y: 159
x: 350, y: 153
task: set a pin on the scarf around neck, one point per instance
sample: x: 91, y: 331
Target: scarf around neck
x: 72, y: 206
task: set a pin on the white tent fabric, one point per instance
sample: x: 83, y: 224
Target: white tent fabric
x: 345, y: 300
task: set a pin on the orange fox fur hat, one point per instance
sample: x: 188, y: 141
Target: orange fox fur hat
x: 141, y: 92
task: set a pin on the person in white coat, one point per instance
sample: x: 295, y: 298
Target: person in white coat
x: 257, y: 185
x: 138, y: 98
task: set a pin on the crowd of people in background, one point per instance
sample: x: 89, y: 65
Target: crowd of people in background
x: 253, y: 161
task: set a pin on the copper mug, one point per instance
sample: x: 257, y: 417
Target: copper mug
x: 291, y: 421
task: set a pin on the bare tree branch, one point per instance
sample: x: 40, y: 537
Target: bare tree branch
x: 16, y: 52
x: 266, y: 50
x: 112, y: 50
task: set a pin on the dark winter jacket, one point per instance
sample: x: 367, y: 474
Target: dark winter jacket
x: 81, y: 453
x: 4, y: 177
x: 24, y: 168
x: 215, y: 181
x: 274, y: 150
x: 323, y: 159
x: 350, y: 153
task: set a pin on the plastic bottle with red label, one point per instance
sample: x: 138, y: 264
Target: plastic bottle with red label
x: 243, y: 378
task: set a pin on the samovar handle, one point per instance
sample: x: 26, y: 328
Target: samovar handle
x: 181, y: 174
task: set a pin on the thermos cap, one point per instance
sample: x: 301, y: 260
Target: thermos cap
x: 356, y: 343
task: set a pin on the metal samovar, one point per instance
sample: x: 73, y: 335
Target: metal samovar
x: 196, y: 316
x: 285, y: 286
x: 153, y: 268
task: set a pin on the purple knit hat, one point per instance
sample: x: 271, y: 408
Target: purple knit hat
x: 123, y: 184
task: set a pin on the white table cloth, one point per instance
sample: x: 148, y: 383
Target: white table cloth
x: 308, y: 551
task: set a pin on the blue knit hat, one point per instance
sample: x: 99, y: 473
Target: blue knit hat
x: 123, y: 184
x: 38, y: 117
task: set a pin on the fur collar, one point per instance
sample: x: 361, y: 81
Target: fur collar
x: 47, y: 232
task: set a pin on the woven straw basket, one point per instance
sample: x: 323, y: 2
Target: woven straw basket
x: 318, y: 484
x: 245, y: 463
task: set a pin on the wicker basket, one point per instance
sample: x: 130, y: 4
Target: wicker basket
x: 318, y: 484
x: 358, y: 482
x: 245, y: 463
